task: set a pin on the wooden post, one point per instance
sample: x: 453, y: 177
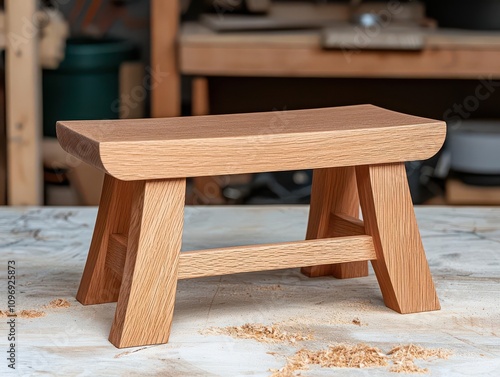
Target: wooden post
x: 401, y: 266
x: 200, y: 96
x: 147, y: 295
x: 166, y: 91
x: 334, y: 191
x: 23, y: 84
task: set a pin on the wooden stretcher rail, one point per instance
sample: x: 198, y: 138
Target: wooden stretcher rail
x: 231, y: 260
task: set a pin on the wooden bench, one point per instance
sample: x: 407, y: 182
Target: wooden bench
x: 357, y: 153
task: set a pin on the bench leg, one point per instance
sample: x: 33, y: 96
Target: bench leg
x: 99, y: 284
x: 334, y: 191
x: 401, y: 266
x: 147, y: 295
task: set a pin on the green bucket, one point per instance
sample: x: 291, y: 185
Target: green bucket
x: 86, y: 84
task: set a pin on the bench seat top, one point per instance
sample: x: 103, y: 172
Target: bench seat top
x: 143, y: 149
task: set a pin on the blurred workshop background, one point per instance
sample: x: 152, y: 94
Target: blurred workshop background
x: 109, y: 59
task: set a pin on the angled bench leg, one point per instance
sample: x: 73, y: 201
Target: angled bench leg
x: 99, y: 284
x: 334, y: 191
x: 401, y: 266
x: 146, y: 301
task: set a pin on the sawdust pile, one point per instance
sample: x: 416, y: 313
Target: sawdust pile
x: 24, y: 314
x: 361, y: 356
x: 407, y: 366
x: 339, y: 356
x: 30, y: 314
x: 400, y: 359
x: 54, y: 304
x: 260, y: 333
x: 58, y: 303
x: 412, y: 351
x: 403, y: 357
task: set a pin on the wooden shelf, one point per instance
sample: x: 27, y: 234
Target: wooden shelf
x: 448, y: 54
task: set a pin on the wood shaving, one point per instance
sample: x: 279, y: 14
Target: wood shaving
x: 23, y: 314
x: 30, y: 314
x: 361, y: 356
x: 260, y: 333
x: 349, y: 356
x: 407, y: 366
x: 293, y: 364
x: 57, y: 304
x: 339, y: 356
x: 412, y: 351
x: 403, y: 357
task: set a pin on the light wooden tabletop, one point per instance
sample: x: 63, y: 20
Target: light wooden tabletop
x: 49, y: 247
x: 141, y: 149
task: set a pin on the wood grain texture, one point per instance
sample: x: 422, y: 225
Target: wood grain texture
x: 274, y: 256
x: 401, y: 266
x: 334, y: 191
x: 233, y: 260
x: 147, y: 294
x: 23, y: 107
x: 344, y: 225
x: 99, y: 284
x: 117, y: 253
x: 248, y: 143
x: 166, y: 83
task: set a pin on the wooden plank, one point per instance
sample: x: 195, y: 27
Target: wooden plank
x: 279, y: 61
x: 166, y: 83
x: 401, y: 266
x: 147, y: 294
x: 23, y: 93
x: 233, y: 260
x: 248, y: 143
